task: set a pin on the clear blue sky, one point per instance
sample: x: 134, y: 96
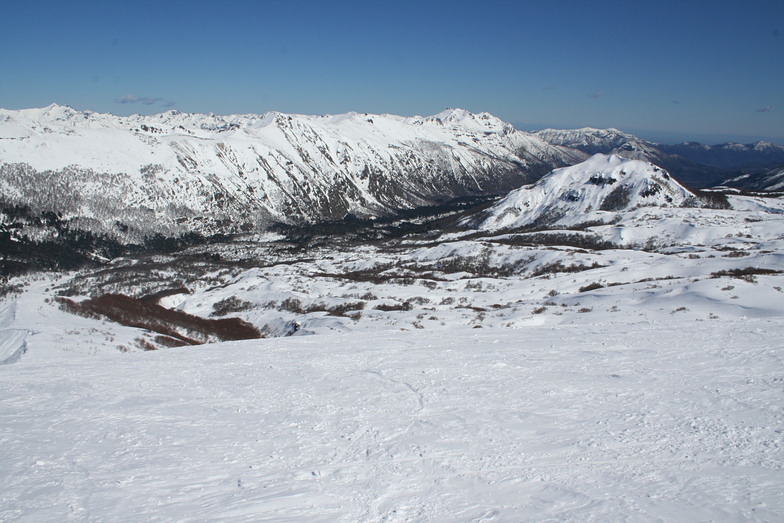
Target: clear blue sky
x: 667, y: 70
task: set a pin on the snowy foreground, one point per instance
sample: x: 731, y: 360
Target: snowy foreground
x: 458, y: 378
x: 676, y: 420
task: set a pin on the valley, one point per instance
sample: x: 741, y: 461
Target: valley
x: 601, y: 343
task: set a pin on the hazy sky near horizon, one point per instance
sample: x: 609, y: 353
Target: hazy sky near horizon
x: 666, y: 70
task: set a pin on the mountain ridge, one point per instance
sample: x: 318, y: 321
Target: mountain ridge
x: 181, y: 172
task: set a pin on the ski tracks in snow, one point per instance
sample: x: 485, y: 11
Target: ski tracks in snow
x: 12, y: 341
x: 567, y: 423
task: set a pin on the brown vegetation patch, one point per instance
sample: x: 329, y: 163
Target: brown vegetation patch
x: 158, y: 296
x: 558, y: 267
x: 386, y: 307
x: 174, y: 326
x: 746, y: 274
x: 296, y: 306
x: 591, y: 287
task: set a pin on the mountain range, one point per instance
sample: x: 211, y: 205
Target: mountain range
x: 577, y: 323
x: 105, y: 182
x: 172, y: 173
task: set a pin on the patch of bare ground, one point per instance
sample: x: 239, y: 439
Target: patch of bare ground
x: 175, y: 327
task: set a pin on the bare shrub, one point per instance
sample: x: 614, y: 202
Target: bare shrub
x: 405, y: 306
x: 554, y: 268
x: 473, y: 286
x: 292, y: 305
x: 343, y: 308
x: 144, y: 344
x: 157, y: 296
x: 591, y: 287
x: 746, y: 274
x: 230, y: 305
x: 168, y: 341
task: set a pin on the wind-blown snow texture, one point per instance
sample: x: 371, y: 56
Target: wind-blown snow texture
x: 675, y: 420
x: 176, y: 172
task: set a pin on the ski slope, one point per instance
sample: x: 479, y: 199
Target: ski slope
x: 649, y: 421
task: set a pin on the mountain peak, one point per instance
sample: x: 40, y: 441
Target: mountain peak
x: 461, y: 118
x: 593, y: 190
x: 60, y: 112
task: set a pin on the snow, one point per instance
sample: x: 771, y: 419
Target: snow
x: 591, y: 141
x: 272, y: 166
x: 586, y: 192
x: 524, y: 383
x: 566, y: 423
x: 771, y: 180
x: 478, y: 375
x: 12, y: 341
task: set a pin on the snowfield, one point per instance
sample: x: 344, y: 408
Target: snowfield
x: 675, y: 421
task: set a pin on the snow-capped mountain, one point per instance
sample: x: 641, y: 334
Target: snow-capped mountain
x: 612, y: 141
x: 174, y: 172
x: 606, y: 141
x: 592, y: 191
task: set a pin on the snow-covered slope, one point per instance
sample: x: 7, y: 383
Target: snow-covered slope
x: 460, y: 376
x: 607, y: 141
x: 594, y: 190
x: 175, y: 172
x: 590, y: 424
x: 771, y: 180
